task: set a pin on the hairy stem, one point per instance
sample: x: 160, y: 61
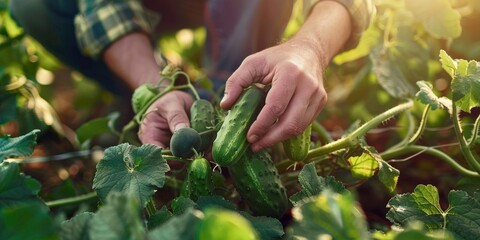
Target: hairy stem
x: 353, y: 138
x: 464, y: 147
x: 431, y: 151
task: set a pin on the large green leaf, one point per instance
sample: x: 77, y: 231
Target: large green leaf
x: 438, y: 18
x: 27, y: 221
x: 120, y: 218
x: 18, y: 146
x: 15, y: 187
x: 399, y: 65
x: 312, y: 185
x: 330, y: 215
x: 77, y: 227
x: 129, y: 169
x: 462, y: 218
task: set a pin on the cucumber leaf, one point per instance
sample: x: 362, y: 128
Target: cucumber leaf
x: 461, y: 218
x: 76, y: 227
x: 18, y: 146
x: 17, y: 188
x: 329, y: 215
x: 130, y: 169
x: 312, y: 185
x: 120, y: 218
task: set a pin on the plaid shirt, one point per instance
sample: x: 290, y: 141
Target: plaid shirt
x: 101, y: 22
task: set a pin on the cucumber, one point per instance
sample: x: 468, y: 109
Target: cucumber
x: 202, y: 118
x: 231, y: 141
x: 296, y: 148
x: 200, y: 181
x: 258, y: 183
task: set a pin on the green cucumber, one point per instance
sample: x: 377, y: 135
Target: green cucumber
x: 258, y: 183
x: 202, y: 118
x: 231, y: 141
x: 296, y: 148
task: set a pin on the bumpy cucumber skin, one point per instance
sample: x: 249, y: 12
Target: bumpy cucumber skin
x: 182, y: 142
x: 200, y: 178
x: 231, y: 141
x: 296, y: 148
x: 257, y: 181
x: 202, y: 118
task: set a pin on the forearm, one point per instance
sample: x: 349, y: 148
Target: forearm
x: 326, y: 30
x: 132, y: 59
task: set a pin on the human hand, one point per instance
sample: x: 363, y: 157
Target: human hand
x: 167, y: 114
x: 296, y: 97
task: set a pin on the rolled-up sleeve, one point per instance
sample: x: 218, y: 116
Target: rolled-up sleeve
x: 101, y: 22
x: 361, y: 12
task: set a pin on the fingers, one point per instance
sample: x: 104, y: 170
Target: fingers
x: 252, y: 70
x: 276, y: 103
x: 166, y: 115
x: 302, y: 109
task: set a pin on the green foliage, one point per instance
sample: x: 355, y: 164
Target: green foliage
x: 19, y: 146
x: 460, y: 218
x: 329, y: 215
x: 17, y: 188
x: 133, y: 170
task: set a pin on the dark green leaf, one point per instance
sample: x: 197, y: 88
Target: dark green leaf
x: 462, y: 218
x: 19, y: 146
x: 439, y: 19
x: 178, y: 227
x: 120, y: 218
x: 312, y: 185
x: 133, y: 170
x: 15, y: 187
x: 159, y: 218
x: 77, y: 227
x: 329, y: 216
x: 182, y: 204
x: 97, y: 127
x: 27, y: 221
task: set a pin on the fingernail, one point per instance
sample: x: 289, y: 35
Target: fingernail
x: 180, y: 125
x: 224, y: 98
x: 253, y: 139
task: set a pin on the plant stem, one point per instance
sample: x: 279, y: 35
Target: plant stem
x: 421, y: 127
x: 353, y: 138
x: 432, y: 151
x: 464, y: 147
x: 322, y: 132
x: 72, y: 200
x: 151, y: 209
x: 473, y: 139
